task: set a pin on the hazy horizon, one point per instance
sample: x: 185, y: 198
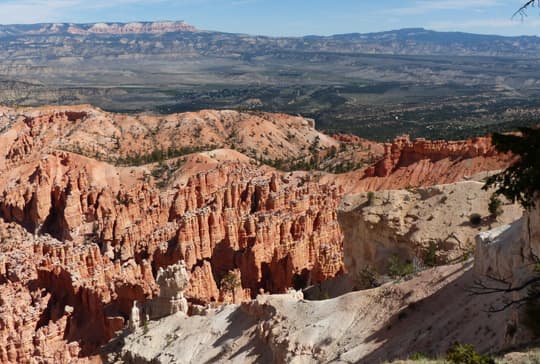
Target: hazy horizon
x: 265, y: 35
x: 282, y: 18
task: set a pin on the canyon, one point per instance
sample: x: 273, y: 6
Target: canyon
x: 426, y: 313
x: 94, y: 205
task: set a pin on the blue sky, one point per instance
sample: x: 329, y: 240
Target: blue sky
x: 287, y: 17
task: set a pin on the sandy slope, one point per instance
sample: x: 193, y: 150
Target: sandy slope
x: 427, y: 313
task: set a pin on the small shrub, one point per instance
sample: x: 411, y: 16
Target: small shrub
x: 430, y: 258
x: 495, y: 206
x: 230, y: 281
x: 323, y: 295
x: 398, y: 269
x: 290, y: 136
x: 368, y: 277
x: 465, y: 354
x: 169, y: 338
x: 417, y: 265
x: 418, y: 356
x: 468, y: 253
x: 197, y: 131
x: 370, y: 198
x: 475, y: 219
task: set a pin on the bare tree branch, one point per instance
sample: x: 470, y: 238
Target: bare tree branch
x: 504, y: 286
x: 522, y: 11
x: 508, y: 304
x: 480, y: 288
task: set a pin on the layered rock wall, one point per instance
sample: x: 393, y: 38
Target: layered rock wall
x: 417, y: 163
x: 403, y: 152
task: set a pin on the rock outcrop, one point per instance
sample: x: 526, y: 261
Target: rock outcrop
x: 402, y: 152
x: 136, y: 139
x: 428, y: 314
x: 510, y: 252
x: 417, y: 163
x: 172, y: 282
x: 101, y: 233
x: 424, y: 224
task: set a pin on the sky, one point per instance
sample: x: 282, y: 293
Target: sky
x: 287, y: 17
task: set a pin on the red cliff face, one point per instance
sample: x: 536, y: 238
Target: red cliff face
x: 407, y: 163
x: 111, y: 239
x: 402, y: 152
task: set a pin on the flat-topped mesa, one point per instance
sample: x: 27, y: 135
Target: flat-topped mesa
x: 135, y: 28
x: 160, y: 27
x: 403, y: 152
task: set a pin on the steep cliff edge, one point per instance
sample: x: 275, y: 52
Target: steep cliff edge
x: 430, y: 225
x: 404, y: 152
x: 510, y: 253
x: 417, y: 163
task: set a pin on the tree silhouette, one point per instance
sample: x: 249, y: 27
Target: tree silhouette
x: 521, y: 181
x: 522, y: 11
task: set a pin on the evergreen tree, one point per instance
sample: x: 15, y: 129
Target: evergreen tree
x: 521, y: 181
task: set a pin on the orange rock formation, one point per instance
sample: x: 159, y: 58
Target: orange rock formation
x: 82, y: 239
x: 407, y: 163
x: 110, y: 233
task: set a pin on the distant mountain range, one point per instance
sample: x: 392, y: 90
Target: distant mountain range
x: 96, y: 28
x: 378, y: 85
x: 171, y: 37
